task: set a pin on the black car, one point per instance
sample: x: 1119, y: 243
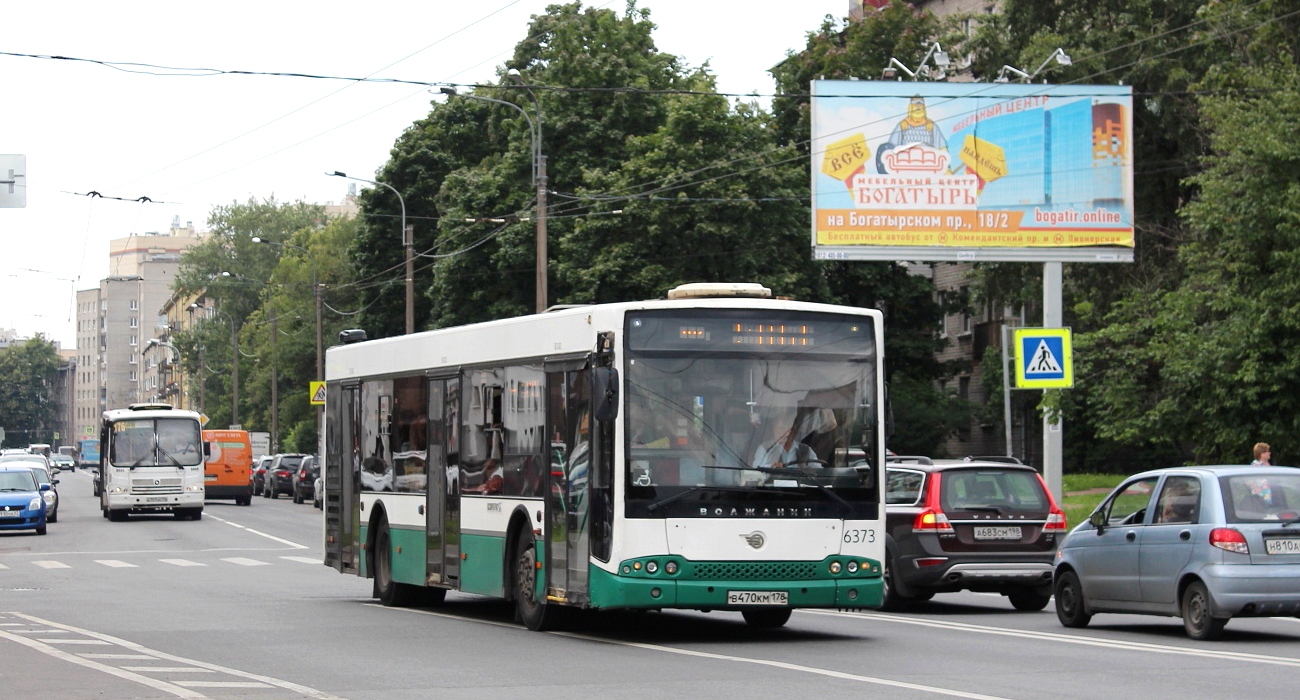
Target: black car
x: 304, y: 477
x: 978, y: 524
x: 278, y: 478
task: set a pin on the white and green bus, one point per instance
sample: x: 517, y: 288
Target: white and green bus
x: 718, y: 450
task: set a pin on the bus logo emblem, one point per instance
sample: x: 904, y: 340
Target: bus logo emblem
x: 755, y: 539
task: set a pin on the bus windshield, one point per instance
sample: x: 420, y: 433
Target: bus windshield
x: 156, y: 442
x: 741, y: 401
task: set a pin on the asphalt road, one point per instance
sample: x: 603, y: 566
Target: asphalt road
x: 237, y: 605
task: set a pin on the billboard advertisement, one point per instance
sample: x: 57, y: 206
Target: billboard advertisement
x: 971, y: 171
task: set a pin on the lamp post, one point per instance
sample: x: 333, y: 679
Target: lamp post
x: 234, y: 362
x: 539, y: 181
x: 315, y: 288
x: 156, y: 343
x: 408, y: 240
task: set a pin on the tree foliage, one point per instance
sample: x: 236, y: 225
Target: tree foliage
x: 28, y: 372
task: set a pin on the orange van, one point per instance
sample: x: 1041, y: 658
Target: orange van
x: 226, y: 472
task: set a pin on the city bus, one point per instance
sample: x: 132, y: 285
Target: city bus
x: 88, y: 453
x: 717, y: 450
x: 151, y: 461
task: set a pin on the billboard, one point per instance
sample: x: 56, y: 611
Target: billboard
x: 971, y: 171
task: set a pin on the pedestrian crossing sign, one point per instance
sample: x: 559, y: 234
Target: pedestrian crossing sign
x: 1044, y: 358
x: 318, y: 393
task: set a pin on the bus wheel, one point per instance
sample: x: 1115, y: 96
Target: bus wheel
x: 389, y: 592
x: 534, y: 612
x: 117, y: 516
x: 767, y: 619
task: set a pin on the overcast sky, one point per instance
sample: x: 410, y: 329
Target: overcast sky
x: 190, y: 143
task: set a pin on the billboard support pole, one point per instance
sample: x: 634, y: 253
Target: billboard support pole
x: 1052, y: 428
x: 1006, y: 386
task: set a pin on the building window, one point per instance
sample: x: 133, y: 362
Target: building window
x: 133, y: 341
x: 942, y: 300
x: 965, y: 314
x: 135, y: 322
x: 134, y: 304
x: 133, y: 375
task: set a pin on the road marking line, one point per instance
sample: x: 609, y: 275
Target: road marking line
x: 167, y: 669
x: 222, y: 684
x: 287, y: 685
x: 116, y: 563
x: 181, y: 562
x: 111, y: 670
x: 841, y: 675
x: 2, y: 566
x: 45, y: 564
x: 244, y: 561
x: 1107, y: 642
x: 304, y: 560
x: 295, y: 545
x: 115, y: 656
x: 74, y: 641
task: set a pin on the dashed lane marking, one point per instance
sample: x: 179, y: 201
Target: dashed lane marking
x: 46, y: 564
x: 167, y: 669
x: 222, y: 684
x: 281, y: 540
x: 115, y: 563
x: 244, y: 561
x: 181, y: 562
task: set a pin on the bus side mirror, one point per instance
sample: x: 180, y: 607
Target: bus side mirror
x: 604, y: 385
x: 207, y: 449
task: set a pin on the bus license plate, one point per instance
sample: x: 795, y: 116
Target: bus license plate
x: 758, y: 598
x: 997, y: 533
x: 1290, y: 545
x: 156, y: 499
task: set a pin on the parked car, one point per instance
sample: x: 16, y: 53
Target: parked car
x: 50, y: 495
x: 279, y: 475
x: 1206, y: 544
x: 22, y: 506
x: 303, y: 478
x: 318, y: 491
x: 39, y: 464
x: 258, y: 475
x: 979, y: 524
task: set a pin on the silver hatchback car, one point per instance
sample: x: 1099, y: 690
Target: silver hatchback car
x: 1203, y: 543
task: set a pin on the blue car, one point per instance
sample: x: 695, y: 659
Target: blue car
x: 1206, y: 544
x: 22, y: 506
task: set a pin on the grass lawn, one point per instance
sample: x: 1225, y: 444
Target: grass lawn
x: 1079, y: 506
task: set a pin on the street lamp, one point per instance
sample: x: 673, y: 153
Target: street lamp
x: 234, y: 362
x: 408, y: 237
x: 320, y: 345
x: 315, y: 288
x: 539, y: 181
x: 155, y: 342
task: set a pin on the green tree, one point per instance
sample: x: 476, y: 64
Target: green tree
x: 28, y: 371
x: 238, y: 293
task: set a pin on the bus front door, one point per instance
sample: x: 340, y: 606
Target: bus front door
x: 567, y: 542
x: 437, y: 492
x: 342, y: 478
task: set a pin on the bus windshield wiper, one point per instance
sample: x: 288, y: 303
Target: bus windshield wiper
x: 679, y: 496
x: 784, y: 471
x: 168, y: 455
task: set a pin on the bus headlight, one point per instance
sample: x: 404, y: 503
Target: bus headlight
x: 853, y: 567
x: 651, y: 567
x: 118, y: 489
x: 835, y: 567
x: 193, y: 488
x: 670, y: 568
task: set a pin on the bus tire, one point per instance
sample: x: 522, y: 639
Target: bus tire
x: 389, y: 592
x: 116, y: 516
x: 769, y: 618
x: 535, y: 613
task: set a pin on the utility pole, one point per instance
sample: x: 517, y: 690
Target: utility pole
x: 408, y: 237
x: 275, y: 394
x: 541, y: 233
